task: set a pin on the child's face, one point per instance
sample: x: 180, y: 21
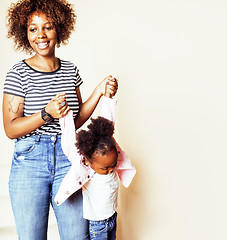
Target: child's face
x: 104, y: 164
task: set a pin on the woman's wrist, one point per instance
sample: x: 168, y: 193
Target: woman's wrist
x: 98, y: 92
x: 46, y: 116
x: 108, y: 95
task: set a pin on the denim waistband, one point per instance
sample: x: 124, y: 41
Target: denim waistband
x: 42, y: 138
x: 105, y: 220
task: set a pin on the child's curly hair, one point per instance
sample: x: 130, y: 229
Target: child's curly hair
x: 97, y: 139
x: 59, y: 11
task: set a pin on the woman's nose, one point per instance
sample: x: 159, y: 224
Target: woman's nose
x: 41, y: 34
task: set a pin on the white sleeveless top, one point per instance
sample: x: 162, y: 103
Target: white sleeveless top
x: 100, y: 196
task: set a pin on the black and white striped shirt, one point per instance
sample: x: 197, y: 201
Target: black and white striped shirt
x: 38, y: 88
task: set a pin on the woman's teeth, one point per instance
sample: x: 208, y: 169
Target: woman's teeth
x: 42, y: 45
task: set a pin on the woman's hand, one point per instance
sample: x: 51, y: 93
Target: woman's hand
x: 108, y: 87
x: 111, y: 87
x: 58, y: 106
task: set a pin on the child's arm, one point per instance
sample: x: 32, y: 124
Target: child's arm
x: 108, y: 104
x: 78, y: 174
x: 125, y: 169
x: 108, y: 108
x: 68, y: 137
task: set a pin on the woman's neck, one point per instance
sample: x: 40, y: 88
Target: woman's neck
x: 43, y: 64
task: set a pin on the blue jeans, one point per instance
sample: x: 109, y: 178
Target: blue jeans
x: 38, y: 167
x: 104, y: 229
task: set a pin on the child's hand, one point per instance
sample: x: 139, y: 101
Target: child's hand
x: 111, y: 87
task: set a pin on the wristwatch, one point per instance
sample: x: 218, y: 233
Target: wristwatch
x: 46, y: 116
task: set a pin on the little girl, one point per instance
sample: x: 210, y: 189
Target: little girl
x: 100, y: 193
x: 96, y: 161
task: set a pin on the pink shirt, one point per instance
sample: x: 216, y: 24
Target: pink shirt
x: 79, y: 173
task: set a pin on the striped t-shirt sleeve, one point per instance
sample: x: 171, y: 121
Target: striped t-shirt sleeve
x: 78, y: 78
x: 13, y: 84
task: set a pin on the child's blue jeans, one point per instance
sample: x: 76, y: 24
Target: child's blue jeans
x: 38, y: 167
x: 104, y: 229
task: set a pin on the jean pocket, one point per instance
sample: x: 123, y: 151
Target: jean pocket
x: 98, y: 228
x: 24, y: 146
x: 113, y: 222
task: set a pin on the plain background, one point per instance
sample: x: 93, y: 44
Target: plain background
x: 170, y: 58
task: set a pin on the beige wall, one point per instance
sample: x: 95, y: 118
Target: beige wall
x: 170, y: 59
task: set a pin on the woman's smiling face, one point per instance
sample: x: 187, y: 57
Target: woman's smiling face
x: 41, y: 34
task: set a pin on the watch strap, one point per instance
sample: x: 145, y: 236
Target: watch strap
x: 46, y: 116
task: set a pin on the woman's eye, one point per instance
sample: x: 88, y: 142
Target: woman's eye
x: 32, y: 30
x: 49, y: 28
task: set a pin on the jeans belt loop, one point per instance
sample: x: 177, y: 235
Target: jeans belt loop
x: 38, y: 138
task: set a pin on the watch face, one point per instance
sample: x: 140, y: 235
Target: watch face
x: 46, y: 118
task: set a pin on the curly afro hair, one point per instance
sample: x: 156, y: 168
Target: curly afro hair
x: 59, y: 11
x: 97, y: 139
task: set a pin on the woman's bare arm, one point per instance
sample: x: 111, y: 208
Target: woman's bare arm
x: 16, y: 125
x: 108, y: 86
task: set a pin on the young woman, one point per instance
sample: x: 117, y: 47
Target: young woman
x: 37, y: 92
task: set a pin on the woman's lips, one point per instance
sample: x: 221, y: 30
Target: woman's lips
x: 42, y: 45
